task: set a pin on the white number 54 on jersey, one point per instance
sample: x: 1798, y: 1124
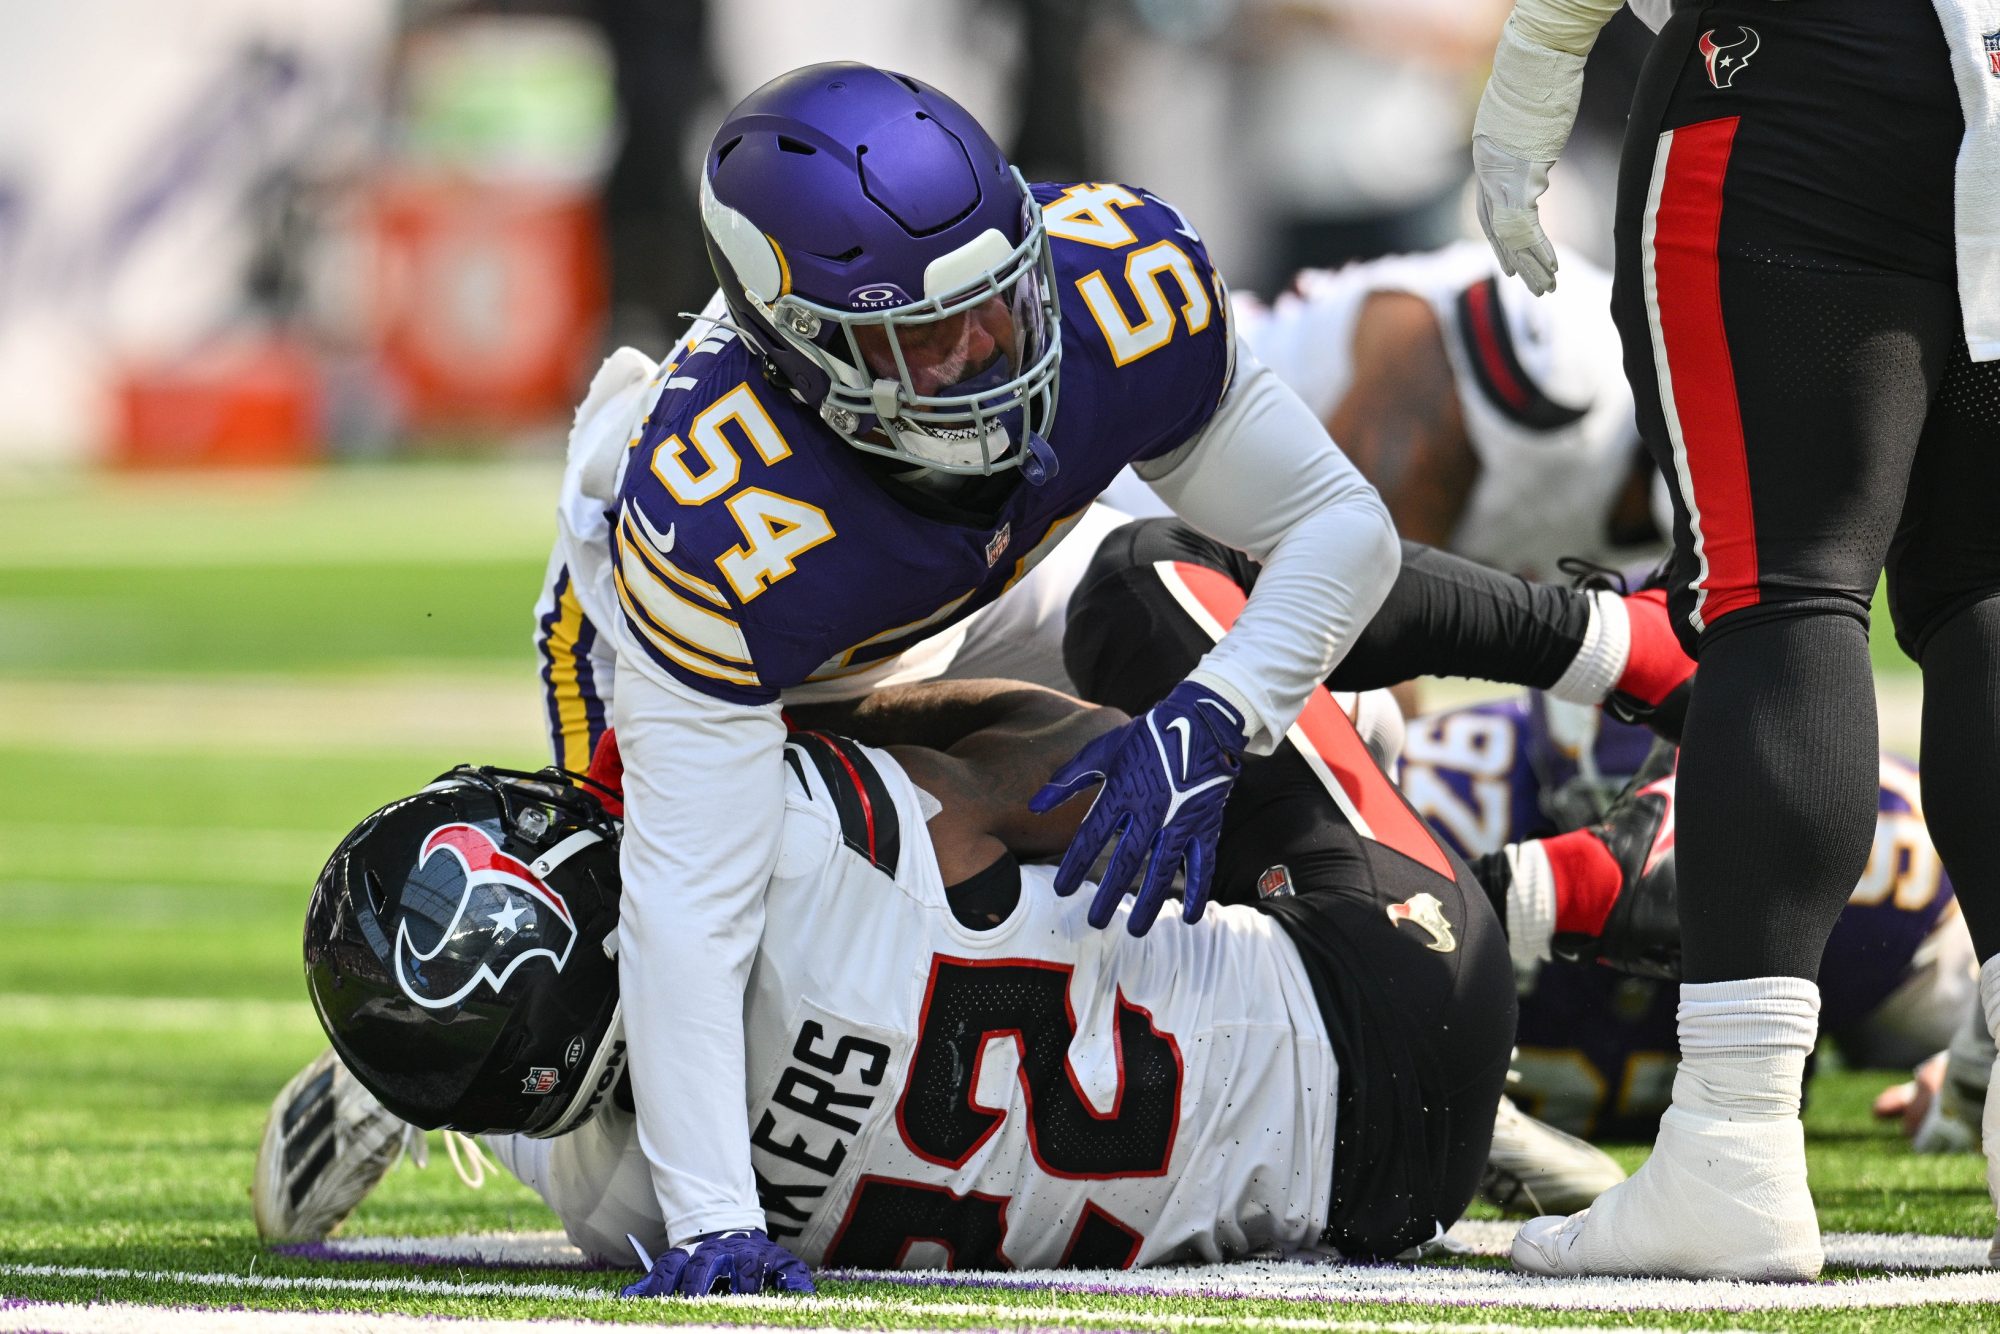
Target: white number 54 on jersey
x: 1089, y: 213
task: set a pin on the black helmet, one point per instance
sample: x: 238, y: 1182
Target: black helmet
x: 459, y: 952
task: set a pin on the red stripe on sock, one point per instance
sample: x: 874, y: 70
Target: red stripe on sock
x: 1655, y: 664
x: 1587, y: 882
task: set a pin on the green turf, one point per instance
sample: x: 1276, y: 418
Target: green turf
x: 151, y: 894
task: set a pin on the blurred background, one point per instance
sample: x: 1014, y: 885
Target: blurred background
x: 276, y: 232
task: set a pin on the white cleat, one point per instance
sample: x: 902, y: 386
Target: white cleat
x: 327, y: 1143
x: 1533, y: 1168
x: 1718, y: 1199
x: 1990, y: 1140
x: 1989, y: 1124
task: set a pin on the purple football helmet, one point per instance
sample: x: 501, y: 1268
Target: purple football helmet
x: 891, y: 267
x: 1581, y: 759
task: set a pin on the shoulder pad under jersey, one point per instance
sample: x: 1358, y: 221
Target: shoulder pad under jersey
x: 1147, y: 343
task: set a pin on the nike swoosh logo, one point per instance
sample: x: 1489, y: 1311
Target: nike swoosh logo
x: 1181, y: 725
x: 660, y: 542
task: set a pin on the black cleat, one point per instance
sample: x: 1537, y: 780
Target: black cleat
x: 1642, y: 934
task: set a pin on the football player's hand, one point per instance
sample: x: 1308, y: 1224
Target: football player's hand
x: 724, y: 1262
x: 1524, y: 119
x: 1508, y: 189
x: 1165, y: 777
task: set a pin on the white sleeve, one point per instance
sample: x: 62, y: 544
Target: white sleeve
x: 1264, y: 477
x: 704, y: 799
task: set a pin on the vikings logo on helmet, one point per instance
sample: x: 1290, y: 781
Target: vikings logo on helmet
x: 506, y: 915
x: 1427, y: 912
x: 1726, y: 60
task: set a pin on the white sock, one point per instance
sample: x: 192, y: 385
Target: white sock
x: 1989, y: 1124
x: 1989, y: 994
x: 1600, y: 661
x: 1744, y: 1047
x: 1531, y: 909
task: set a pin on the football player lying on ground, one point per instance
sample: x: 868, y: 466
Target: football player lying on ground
x: 1597, y: 1050
x: 947, y: 1064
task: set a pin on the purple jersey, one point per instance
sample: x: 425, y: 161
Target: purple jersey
x: 774, y: 553
x: 1597, y: 1049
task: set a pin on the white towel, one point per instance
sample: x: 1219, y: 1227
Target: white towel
x: 1966, y: 24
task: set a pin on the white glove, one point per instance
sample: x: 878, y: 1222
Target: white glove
x: 1508, y: 189
x: 1524, y: 120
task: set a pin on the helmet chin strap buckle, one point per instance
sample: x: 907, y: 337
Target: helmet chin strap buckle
x: 883, y: 394
x: 1038, y: 461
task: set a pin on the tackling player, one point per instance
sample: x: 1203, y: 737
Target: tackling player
x: 926, y: 372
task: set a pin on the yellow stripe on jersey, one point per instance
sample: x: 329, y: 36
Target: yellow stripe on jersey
x: 664, y: 565
x: 836, y: 665
x: 697, y: 627
x: 566, y: 680
x: 672, y: 649
x: 1051, y: 535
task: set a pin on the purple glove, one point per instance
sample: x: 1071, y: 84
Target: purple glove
x: 1165, y: 778
x: 728, y: 1262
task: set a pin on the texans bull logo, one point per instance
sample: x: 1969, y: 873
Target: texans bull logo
x: 1426, y: 911
x: 506, y: 916
x: 1725, y: 60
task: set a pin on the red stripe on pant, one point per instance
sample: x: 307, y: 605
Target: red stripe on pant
x: 1330, y: 734
x: 1688, y: 283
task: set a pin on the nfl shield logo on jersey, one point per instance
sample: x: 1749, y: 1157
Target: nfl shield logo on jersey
x: 540, y: 1080
x: 1992, y: 40
x: 1275, y: 883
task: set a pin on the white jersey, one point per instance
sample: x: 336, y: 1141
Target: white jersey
x: 1029, y: 1095
x: 1541, y: 386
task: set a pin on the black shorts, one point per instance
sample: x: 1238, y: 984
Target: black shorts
x: 1406, y: 956
x: 1411, y: 971
x: 1787, y: 297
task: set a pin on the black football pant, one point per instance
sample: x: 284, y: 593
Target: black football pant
x: 1444, y: 616
x: 1786, y: 294
x: 1406, y: 957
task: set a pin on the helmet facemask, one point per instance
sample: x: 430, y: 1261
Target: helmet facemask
x: 962, y: 381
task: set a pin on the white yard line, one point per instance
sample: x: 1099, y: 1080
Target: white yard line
x: 121, y: 1318
x: 1276, y: 1281
x: 1863, y: 1250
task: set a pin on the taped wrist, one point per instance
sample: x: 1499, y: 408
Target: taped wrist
x: 1530, y: 101
x: 1569, y: 26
